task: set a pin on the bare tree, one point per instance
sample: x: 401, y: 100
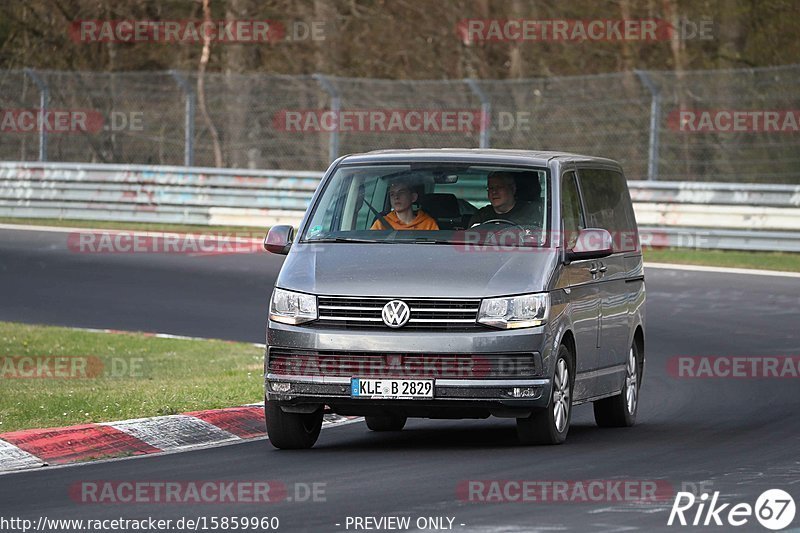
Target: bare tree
x: 201, y: 87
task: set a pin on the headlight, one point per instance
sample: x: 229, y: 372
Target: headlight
x: 290, y: 307
x: 524, y: 311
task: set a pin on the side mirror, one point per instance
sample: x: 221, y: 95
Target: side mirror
x: 279, y: 239
x: 592, y: 243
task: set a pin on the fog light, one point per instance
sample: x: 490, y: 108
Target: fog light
x: 280, y: 387
x: 520, y: 392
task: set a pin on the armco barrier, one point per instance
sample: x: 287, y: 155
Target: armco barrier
x: 154, y: 194
x: 683, y: 214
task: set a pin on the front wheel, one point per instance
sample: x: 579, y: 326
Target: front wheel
x: 291, y: 431
x: 620, y: 410
x: 551, y: 424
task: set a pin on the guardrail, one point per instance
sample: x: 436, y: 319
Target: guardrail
x: 681, y: 214
x: 184, y: 195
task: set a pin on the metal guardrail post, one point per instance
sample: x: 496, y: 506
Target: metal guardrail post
x: 44, y: 98
x: 188, y: 122
x: 655, y: 119
x: 486, y: 111
x: 336, y: 104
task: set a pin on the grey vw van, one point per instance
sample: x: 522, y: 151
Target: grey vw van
x: 509, y: 284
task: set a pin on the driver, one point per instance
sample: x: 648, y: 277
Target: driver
x: 501, y: 190
x: 402, y: 215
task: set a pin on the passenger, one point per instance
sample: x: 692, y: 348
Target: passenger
x: 402, y: 215
x: 501, y: 191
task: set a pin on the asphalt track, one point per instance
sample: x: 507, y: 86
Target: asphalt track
x: 736, y: 436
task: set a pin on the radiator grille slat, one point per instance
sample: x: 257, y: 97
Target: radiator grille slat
x: 429, y: 314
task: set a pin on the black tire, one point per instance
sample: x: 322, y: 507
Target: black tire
x: 618, y: 411
x: 385, y: 422
x: 291, y: 431
x: 551, y: 424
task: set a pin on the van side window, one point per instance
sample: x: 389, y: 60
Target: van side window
x: 570, y: 210
x: 608, y: 206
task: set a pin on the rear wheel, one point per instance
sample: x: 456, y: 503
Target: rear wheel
x: 291, y: 431
x: 620, y: 410
x: 385, y: 422
x: 551, y: 424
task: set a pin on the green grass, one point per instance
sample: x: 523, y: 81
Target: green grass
x: 789, y: 262
x: 249, y: 231
x: 154, y: 377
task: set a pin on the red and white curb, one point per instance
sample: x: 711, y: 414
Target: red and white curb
x: 86, y: 442
x: 14, y: 458
x: 56, y: 446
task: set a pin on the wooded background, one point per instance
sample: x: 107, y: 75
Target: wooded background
x: 403, y: 39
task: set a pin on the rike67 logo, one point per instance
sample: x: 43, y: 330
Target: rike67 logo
x: 774, y: 509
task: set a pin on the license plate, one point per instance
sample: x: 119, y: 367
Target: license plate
x: 395, y: 389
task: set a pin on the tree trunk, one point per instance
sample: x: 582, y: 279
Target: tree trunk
x: 201, y: 87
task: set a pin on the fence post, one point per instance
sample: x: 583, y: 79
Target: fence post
x: 486, y: 110
x: 655, y: 119
x: 336, y: 104
x: 44, y: 98
x: 188, y: 118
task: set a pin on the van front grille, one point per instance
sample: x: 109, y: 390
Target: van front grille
x: 429, y: 314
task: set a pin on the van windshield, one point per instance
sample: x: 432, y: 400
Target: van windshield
x: 433, y: 203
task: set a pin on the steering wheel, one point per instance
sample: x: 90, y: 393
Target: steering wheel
x: 499, y: 221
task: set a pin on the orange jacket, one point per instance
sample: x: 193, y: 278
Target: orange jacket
x: 423, y: 221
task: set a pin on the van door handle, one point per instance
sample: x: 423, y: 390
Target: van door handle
x: 593, y: 270
x: 603, y: 268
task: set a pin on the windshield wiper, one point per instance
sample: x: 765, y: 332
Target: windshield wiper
x: 423, y: 240
x: 433, y: 241
x: 469, y: 243
x: 343, y: 239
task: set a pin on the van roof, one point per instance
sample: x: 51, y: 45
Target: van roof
x: 473, y: 155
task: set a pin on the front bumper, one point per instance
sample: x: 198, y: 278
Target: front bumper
x: 454, y: 397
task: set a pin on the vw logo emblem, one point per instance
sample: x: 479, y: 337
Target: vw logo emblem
x: 395, y: 314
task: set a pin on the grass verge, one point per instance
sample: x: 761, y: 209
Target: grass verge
x: 788, y: 262
x: 246, y: 231
x: 101, y: 377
